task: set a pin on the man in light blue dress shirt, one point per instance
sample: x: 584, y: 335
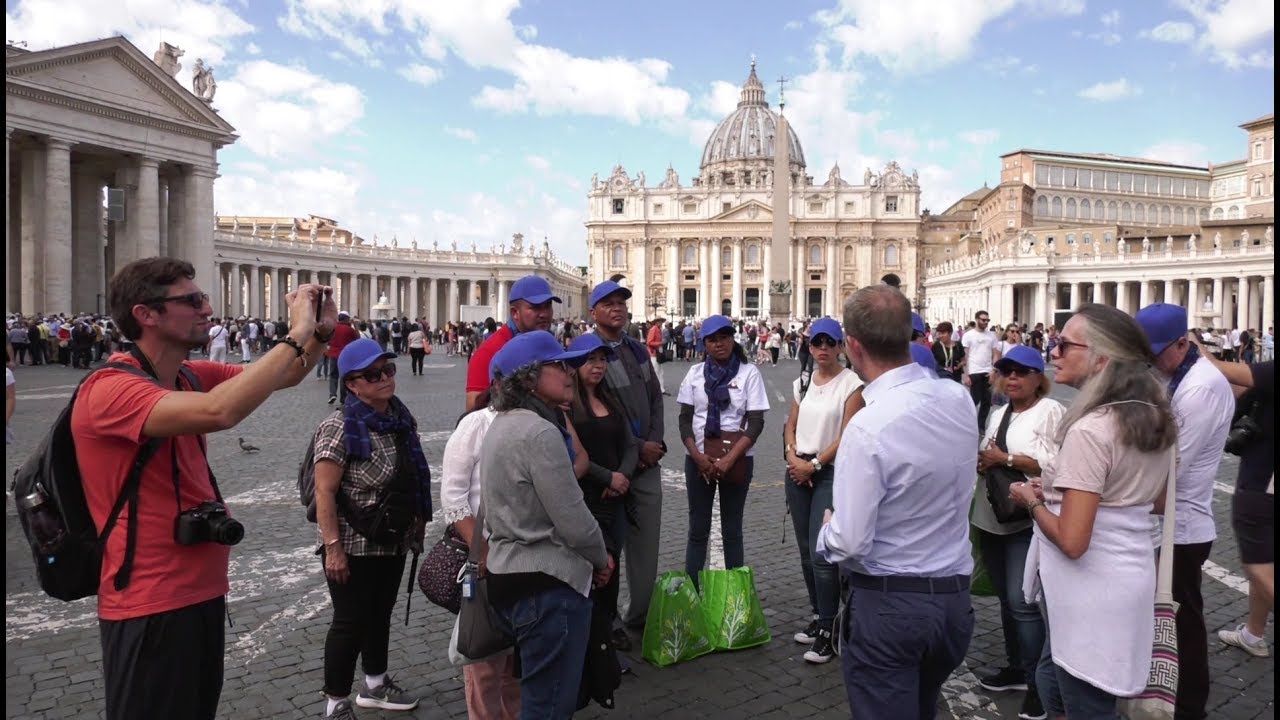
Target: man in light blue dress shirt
x: 900, y: 526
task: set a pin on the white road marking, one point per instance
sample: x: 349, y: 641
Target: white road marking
x: 266, y: 635
x: 1224, y: 488
x: 964, y: 696
x: 440, y: 367
x: 781, y: 398
x: 674, y: 479
x: 46, y: 396
x: 1226, y: 577
x: 435, y: 436
x: 52, y: 387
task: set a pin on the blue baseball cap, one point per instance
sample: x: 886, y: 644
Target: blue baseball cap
x: 826, y: 326
x: 923, y: 357
x: 714, y: 324
x: 533, y: 290
x: 589, y: 343
x: 605, y: 289
x: 917, y: 323
x: 1163, y: 323
x: 1023, y: 355
x: 528, y: 348
x: 359, y: 355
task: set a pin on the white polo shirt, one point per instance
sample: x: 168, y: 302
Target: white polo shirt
x: 978, y: 346
x: 746, y: 393
x: 1203, y: 406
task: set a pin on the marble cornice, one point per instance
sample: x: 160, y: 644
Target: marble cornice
x: 43, y: 95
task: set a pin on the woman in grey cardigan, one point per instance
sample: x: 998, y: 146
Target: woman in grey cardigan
x: 546, y: 551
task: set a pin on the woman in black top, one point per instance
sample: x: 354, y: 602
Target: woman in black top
x: 948, y: 354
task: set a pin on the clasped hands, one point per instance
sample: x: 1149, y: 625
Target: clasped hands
x: 800, y: 471
x: 711, y: 470
x: 991, y: 456
x: 1027, y: 494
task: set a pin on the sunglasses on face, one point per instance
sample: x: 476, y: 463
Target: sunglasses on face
x: 195, y: 299
x: 823, y: 341
x: 1019, y: 371
x: 1064, y: 345
x: 373, y: 375
x: 560, y: 365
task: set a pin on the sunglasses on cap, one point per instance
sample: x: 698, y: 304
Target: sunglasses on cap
x: 1019, y: 371
x: 373, y: 375
x: 195, y: 299
x: 824, y: 341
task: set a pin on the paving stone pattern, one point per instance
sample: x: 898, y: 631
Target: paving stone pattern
x: 280, y: 607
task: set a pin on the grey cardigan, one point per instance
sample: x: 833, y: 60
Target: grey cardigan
x: 533, y: 507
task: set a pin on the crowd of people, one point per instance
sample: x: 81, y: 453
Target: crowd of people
x: 912, y: 453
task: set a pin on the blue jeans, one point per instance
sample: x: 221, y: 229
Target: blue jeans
x: 337, y: 388
x: 807, y: 505
x: 733, y: 500
x: 1062, y: 693
x: 551, y: 629
x: 1022, y: 623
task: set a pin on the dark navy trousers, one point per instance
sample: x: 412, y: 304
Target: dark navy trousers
x: 898, y: 648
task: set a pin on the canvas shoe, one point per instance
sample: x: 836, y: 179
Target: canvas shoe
x: 1236, y: 638
x: 1003, y: 680
x: 387, y: 696
x: 809, y: 634
x: 1031, y: 707
x: 821, y: 652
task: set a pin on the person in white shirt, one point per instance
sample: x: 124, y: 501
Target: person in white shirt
x: 900, y: 528
x: 248, y: 338
x: 820, y: 408
x: 1268, y: 344
x: 980, y: 353
x: 1204, y: 405
x: 722, y: 400
x: 1231, y: 346
x: 218, y: 341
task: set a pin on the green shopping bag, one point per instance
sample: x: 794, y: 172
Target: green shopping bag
x: 732, y: 609
x: 674, y: 630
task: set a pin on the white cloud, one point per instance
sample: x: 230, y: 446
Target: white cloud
x: 1170, y: 31
x: 252, y: 49
x: 1235, y: 32
x: 1182, y: 152
x: 1110, y: 91
x: 421, y: 74
x: 537, y: 162
x: 1111, y: 19
x: 722, y: 98
x: 281, y: 111
x: 461, y: 133
x: 792, y: 25
x: 980, y: 137
x: 300, y: 19
x: 255, y: 189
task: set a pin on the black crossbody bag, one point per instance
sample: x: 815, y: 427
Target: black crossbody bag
x: 999, y: 477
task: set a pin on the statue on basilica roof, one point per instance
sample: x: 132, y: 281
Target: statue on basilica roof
x: 671, y: 181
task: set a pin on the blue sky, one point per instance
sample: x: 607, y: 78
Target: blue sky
x: 470, y: 120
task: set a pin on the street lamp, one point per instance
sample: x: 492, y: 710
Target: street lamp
x: 654, y: 305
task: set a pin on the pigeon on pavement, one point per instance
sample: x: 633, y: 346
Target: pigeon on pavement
x: 246, y: 447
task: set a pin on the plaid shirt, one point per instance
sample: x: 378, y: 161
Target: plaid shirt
x: 362, y: 480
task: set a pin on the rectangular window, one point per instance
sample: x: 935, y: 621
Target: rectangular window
x: 1140, y: 183
x: 850, y: 208
x: 1084, y: 179
x: 1126, y: 182
x: 816, y: 207
x: 1257, y: 187
x: 1178, y: 187
x: 726, y: 207
x: 1055, y: 175
x: 1042, y: 174
x: 1257, y: 151
x: 1165, y: 184
x: 617, y: 206
x: 1202, y: 189
x: 691, y: 207
x: 1113, y: 180
x: 1069, y: 177
x: 891, y: 203
x: 657, y: 208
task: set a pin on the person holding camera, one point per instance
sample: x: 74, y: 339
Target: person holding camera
x: 161, y: 606
x: 373, y: 497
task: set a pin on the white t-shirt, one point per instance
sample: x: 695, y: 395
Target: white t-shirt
x: 978, y: 345
x: 822, y: 410
x: 746, y: 392
x: 217, y: 337
x: 1006, y: 346
x: 1235, y: 338
x: 1031, y: 433
x: 253, y: 331
x: 1204, y: 406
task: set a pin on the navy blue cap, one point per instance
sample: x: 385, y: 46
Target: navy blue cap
x: 714, y: 324
x: 533, y: 290
x: 1022, y: 355
x: 923, y: 357
x: 605, y: 289
x: 589, y: 343
x: 1163, y: 323
x: 917, y: 323
x: 528, y: 348
x: 359, y: 355
x: 826, y: 326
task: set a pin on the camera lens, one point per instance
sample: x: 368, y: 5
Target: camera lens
x: 226, y: 531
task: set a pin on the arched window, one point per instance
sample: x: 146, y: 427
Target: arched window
x: 1112, y: 210
x: 1166, y: 215
x: 1071, y: 208
x: 1204, y: 214
x: 657, y: 257
x: 815, y: 254
x: 1042, y: 206
x: 690, y: 255
x: 1217, y: 213
x: 726, y: 257
x: 753, y: 254
x: 848, y: 256
x: 1177, y: 216
x: 891, y: 256
x: 1057, y: 208
x: 1071, y: 238
x: 1099, y: 210
x: 1086, y: 211
x: 1126, y: 212
x: 1153, y: 214
x: 1233, y: 213
x: 1088, y: 238
x: 1140, y: 213
x: 617, y: 259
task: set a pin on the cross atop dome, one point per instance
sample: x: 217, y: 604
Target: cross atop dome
x: 752, y: 89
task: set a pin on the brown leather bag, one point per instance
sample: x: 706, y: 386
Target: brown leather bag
x: 717, y: 447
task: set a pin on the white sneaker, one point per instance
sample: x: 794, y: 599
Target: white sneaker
x: 1236, y: 638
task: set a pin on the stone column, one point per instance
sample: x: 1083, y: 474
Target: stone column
x: 415, y: 303
x: 143, y: 218
x: 799, y: 296
x: 1037, y: 306
x: 766, y: 255
x: 503, y: 301
x: 11, y: 300
x: 255, y: 292
x: 1006, y: 303
x: 34, y: 162
x: 1216, y: 319
x: 197, y: 222
x: 1268, y: 302
x: 640, y: 283
x: 1075, y: 296
x: 175, y: 203
x: 1242, y: 303
x: 86, y: 242
x: 57, y: 227
x: 1193, y: 301
x: 673, y: 275
x: 432, y: 316
x: 1228, y: 311
x: 833, y: 280
x: 704, y: 276
x: 455, y: 290
x: 162, y: 228
x: 736, y: 300
x: 373, y: 296
x: 235, y: 286
x: 715, y: 298
x: 1144, y: 293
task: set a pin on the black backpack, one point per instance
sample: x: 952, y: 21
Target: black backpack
x: 49, y: 493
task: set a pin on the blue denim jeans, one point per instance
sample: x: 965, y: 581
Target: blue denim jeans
x: 337, y: 388
x: 551, y: 629
x: 1062, y: 693
x: 1022, y: 623
x: 702, y: 495
x: 807, y: 505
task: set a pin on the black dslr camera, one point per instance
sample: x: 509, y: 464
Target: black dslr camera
x: 1243, y: 434
x: 207, y: 522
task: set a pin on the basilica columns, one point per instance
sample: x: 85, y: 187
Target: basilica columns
x: 1268, y: 302
x: 736, y: 303
x: 704, y: 263
x: 715, y: 299
x: 799, y: 301
x: 833, y: 285
x: 673, y: 276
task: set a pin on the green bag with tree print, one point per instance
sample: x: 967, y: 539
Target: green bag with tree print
x: 732, y: 609
x: 675, y: 629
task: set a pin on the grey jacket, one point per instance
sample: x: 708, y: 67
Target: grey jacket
x: 533, y: 507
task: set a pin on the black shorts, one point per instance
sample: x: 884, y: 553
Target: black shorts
x: 1253, y: 518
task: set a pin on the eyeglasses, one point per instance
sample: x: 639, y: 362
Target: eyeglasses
x: 560, y: 365
x: 986, y: 319
x: 823, y: 341
x: 195, y: 299
x: 1019, y: 371
x: 373, y: 375
x: 1064, y: 345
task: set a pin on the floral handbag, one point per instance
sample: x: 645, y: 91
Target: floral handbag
x: 441, y: 573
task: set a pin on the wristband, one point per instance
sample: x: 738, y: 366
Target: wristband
x: 1031, y: 509
x: 297, y: 349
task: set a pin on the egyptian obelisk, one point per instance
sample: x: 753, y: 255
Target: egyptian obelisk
x: 780, y: 275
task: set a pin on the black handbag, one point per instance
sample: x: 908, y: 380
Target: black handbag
x: 441, y: 576
x: 478, y: 634
x: 999, y: 478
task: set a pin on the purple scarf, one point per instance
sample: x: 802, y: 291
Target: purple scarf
x: 717, y: 379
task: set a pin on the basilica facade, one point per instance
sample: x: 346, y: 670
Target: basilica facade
x: 705, y: 247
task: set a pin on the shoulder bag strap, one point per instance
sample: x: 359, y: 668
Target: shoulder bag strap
x: 1164, y: 577
x: 1003, y: 431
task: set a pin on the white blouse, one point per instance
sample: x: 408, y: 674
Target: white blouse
x: 822, y: 410
x: 1030, y: 433
x: 460, y: 481
x: 746, y: 393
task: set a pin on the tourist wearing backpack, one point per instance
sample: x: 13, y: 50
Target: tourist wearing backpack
x: 162, y: 594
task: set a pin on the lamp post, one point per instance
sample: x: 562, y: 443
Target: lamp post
x: 655, y: 305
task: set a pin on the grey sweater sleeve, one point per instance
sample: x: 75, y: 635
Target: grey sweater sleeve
x: 561, y: 497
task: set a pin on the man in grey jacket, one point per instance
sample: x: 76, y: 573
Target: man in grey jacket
x: 631, y: 377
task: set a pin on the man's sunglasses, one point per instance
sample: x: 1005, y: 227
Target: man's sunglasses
x: 824, y: 341
x: 195, y: 299
x: 1019, y: 371
x: 1064, y: 345
x: 373, y: 375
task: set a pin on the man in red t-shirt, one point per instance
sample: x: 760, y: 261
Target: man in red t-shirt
x: 531, y: 299
x: 343, y: 334
x: 161, y: 633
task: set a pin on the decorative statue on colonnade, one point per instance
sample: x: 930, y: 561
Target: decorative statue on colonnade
x: 517, y: 243
x: 202, y: 82
x: 313, y: 233
x: 167, y: 58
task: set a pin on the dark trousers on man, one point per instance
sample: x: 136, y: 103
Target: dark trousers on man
x: 980, y: 391
x: 361, y: 625
x: 897, y: 648
x: 1193, y: 640
x: 167, y: 665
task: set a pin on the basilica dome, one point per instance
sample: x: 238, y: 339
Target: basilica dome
x: 748, y: 132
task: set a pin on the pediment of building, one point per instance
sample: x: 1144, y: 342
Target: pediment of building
x: 750, y: 211
x: 111, y: 76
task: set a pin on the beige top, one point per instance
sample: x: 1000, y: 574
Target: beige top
x: 1093, y: 459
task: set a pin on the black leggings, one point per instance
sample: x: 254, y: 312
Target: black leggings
x: 415, y: 359
x: 361, y: 619
x: 773, y: 353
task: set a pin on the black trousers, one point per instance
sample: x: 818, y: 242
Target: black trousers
x: 361, y: 623
x: 1193, y: 638
x: 980, y: 391
x: 167, y: 665
x: 416, y: 356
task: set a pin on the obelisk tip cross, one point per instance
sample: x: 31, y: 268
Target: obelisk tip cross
x: 782, y: 92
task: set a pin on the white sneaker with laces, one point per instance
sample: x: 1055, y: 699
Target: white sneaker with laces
x: 1236, y: 638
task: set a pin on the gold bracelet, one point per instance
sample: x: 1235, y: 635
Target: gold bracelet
x: 1031, y: 509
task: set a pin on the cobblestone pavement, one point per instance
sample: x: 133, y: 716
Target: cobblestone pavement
x: 280, y: 608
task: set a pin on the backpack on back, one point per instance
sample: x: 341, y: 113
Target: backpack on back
x: 307, y: 476
x: 49, y: 494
